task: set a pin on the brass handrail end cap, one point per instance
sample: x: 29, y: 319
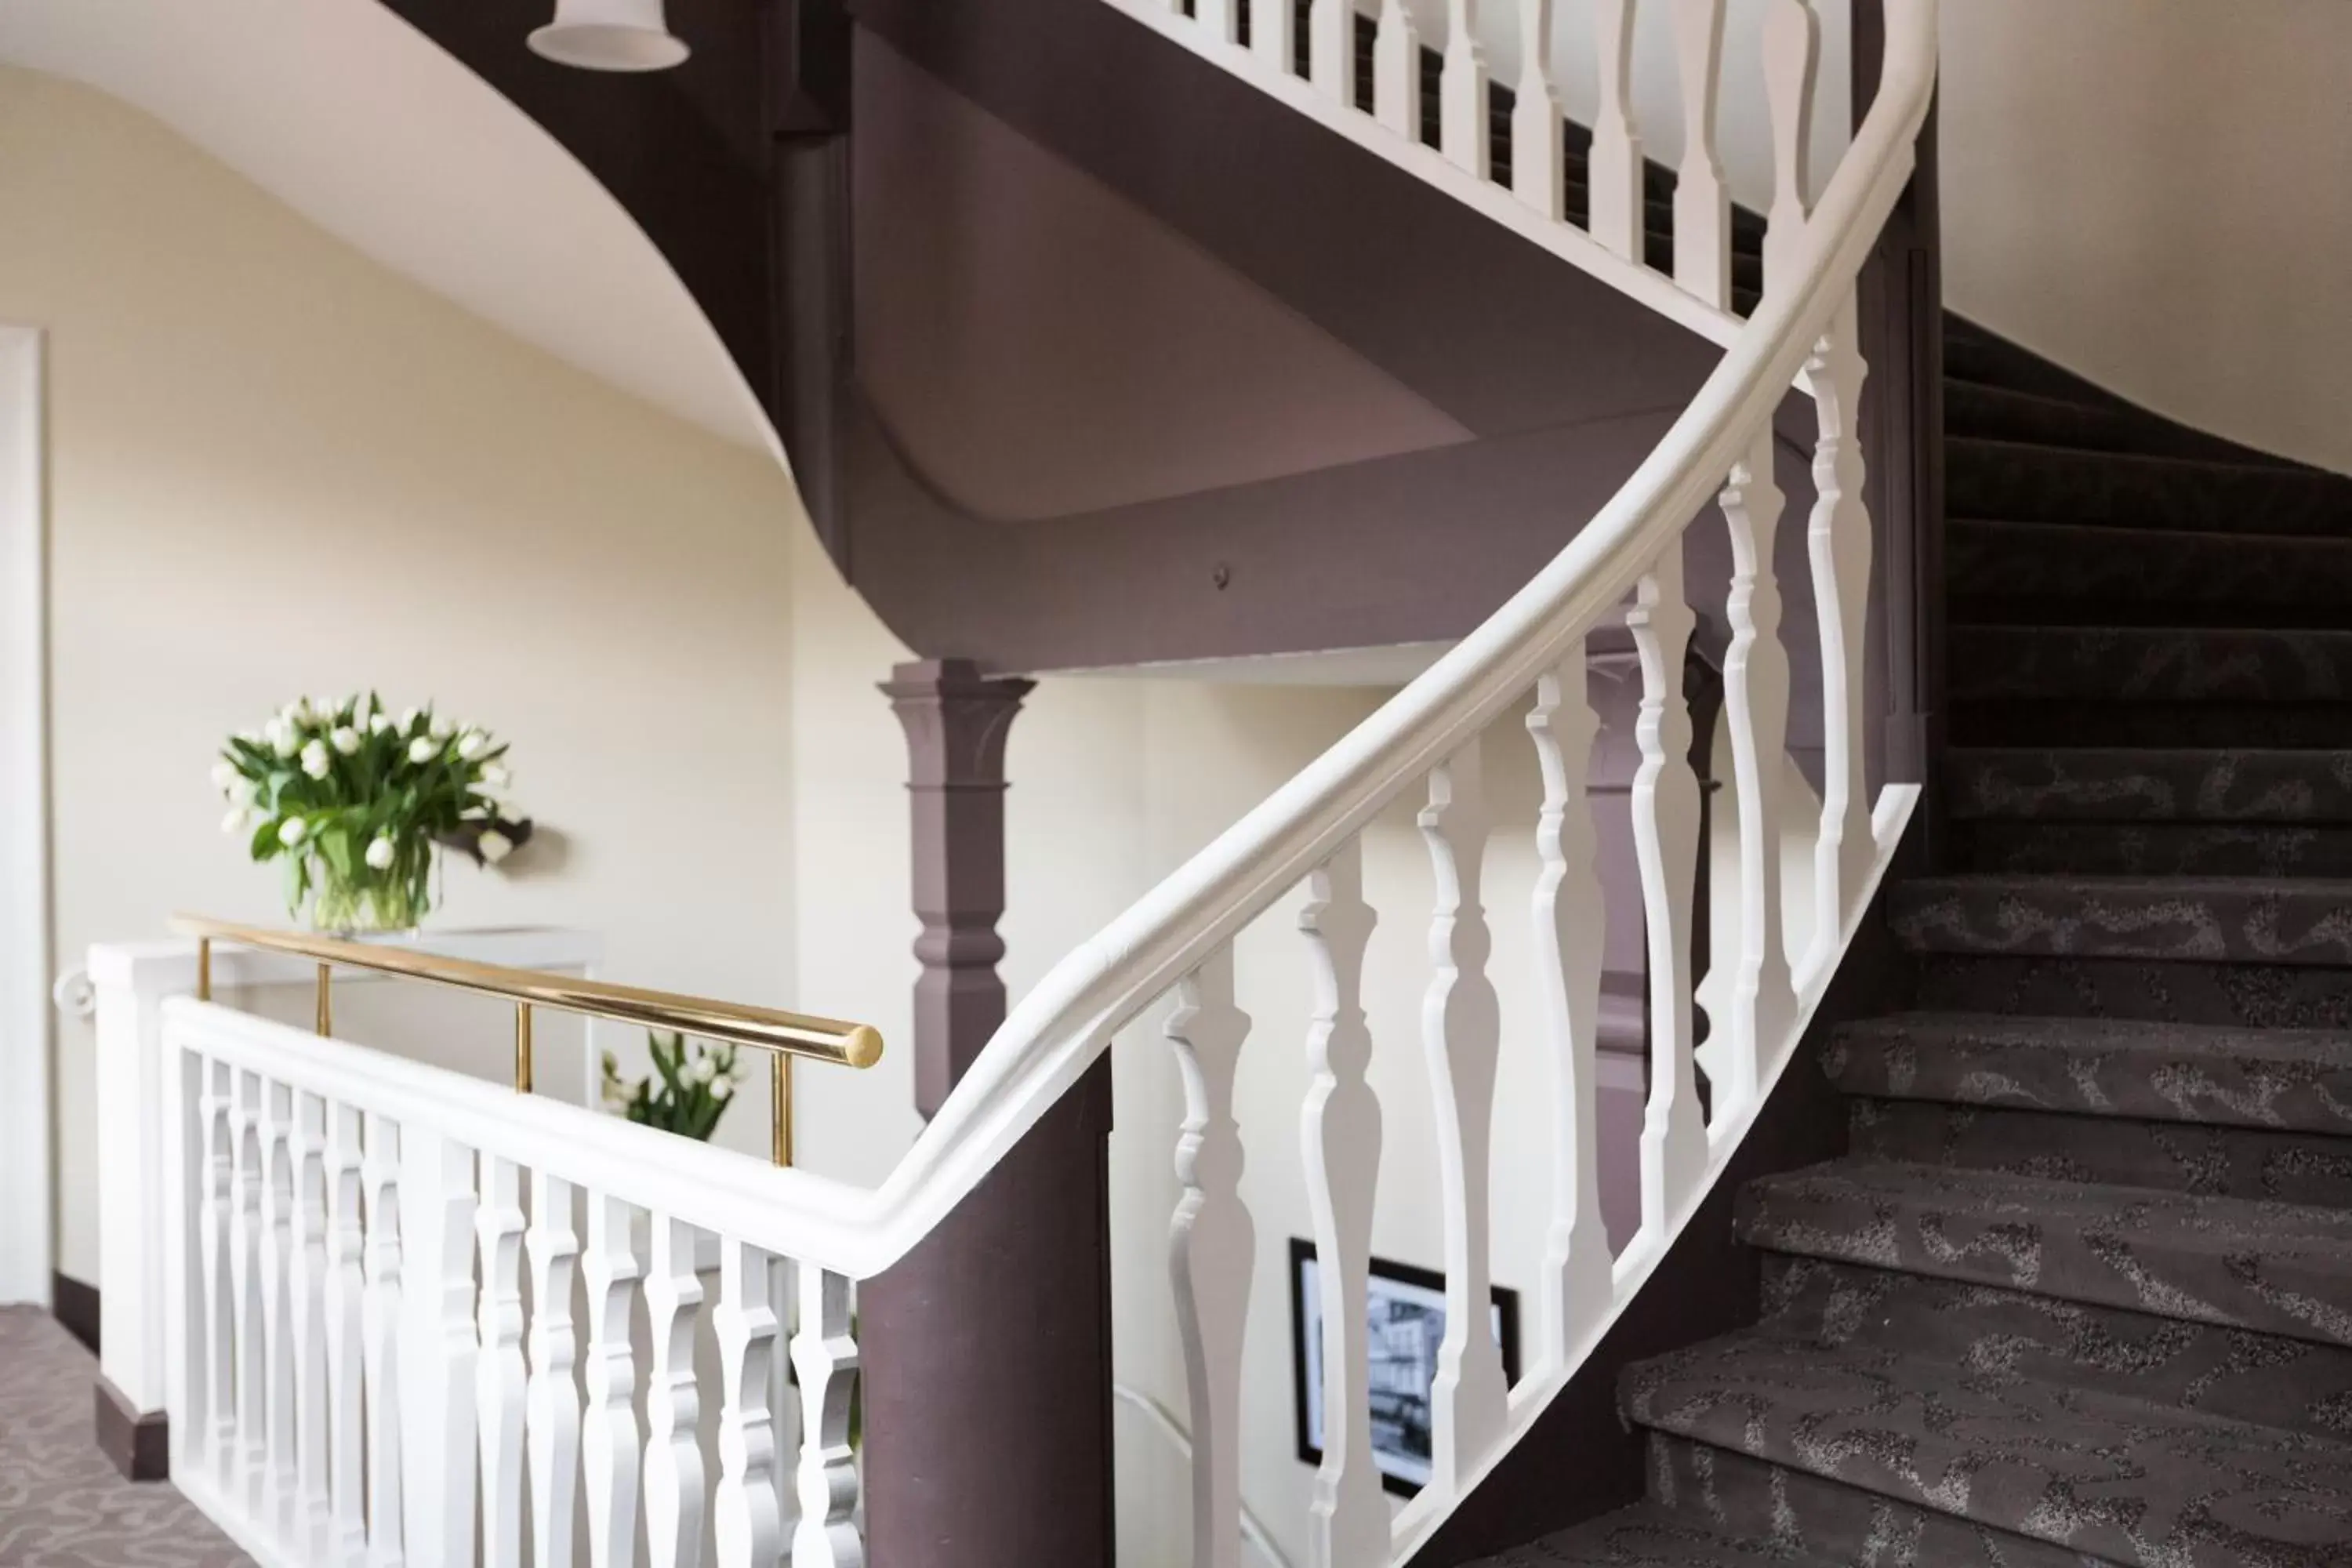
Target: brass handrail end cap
x: 864, y: 1046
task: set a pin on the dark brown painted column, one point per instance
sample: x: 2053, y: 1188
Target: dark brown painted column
x: 987, y: 1348
x: 1902, y: 322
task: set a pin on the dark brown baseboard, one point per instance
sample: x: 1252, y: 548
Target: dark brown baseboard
x: 75, y: 1305
x: 137, y: 1446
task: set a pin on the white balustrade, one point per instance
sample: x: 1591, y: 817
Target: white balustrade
x: 1763, y: 999
x: 1570, y: 923
x: 1665, y: 803
x: 1462, y: 1036
x: 1463, y: 133
x: 1341, y: 1136
x: 369, y: 1380
x: 423, y: 1233
x: 1211, y: 1249
x: 1702, y: 200
x: 1838, y: 545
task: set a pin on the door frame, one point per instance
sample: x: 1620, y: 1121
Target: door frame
x: 27, y: 1031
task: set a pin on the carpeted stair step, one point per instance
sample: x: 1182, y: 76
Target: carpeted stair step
x: 2121, y: 1480
x: 2290, y: 1080
x: 2024, y: 481
x: 2151, y: 664
x: 2150, y: 785
x: 2053, y: 573
x: 2293, y: 1384
x: 2153, y: 849
x: 2242, y: 995
x: 2005, y: 413
x: 1656, y: 1535
x: 2110, y: 721
x: 2278, y: 1269
x: 2169, y: 1156
x: 2279, y: 920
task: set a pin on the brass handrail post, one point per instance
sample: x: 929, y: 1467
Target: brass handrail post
x: 523, y: 1048
x: 203, y: 969
x: 780, y: 1108
x: 326, y: 1019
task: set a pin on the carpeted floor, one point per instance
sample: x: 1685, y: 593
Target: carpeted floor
x: 62, y: 1505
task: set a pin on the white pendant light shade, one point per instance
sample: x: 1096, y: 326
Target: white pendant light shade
x: 609, y: 36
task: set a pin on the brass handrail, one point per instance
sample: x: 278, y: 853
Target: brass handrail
x: 780, y: 1034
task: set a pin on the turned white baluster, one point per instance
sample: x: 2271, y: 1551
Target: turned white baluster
x: 673, y: 1473
x: 1762, y: 1004
x: 1221, y: 19
x: 1331, y: 49
x: 1210, y: 1244
x: 346, y: 1532
x: 1538, y: 160
x: 784, y: 1400
x: 744, y: 1518
x: 1613, y: 168
x: 1347, y: 1517
x: 1570, y: 921
x: 609, y: 1440
x: 380, y: 1324
x: 1463, y: 133
x: 1792, y: 50
x: 439, y: 1352
x: 1666, y: 806
x: 1274, y: 34
x: 276, y: 1117
x: 307, y: 1312
x: 553, y: 1404
x: 1702, y: 203
x: 498, y: 1372
x: 245, y: 1270
x: 214, y: 1252
x: 1838, y: 544
x: 824, y: 1356
x: 1396, y: 70
x: 1462, y: 1036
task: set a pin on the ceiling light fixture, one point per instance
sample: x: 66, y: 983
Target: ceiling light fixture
x: 609, y: 36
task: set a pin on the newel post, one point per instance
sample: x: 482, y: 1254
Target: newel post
x: 986, y: 1350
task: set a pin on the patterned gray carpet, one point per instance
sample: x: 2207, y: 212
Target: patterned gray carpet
x: 2080, y: 1294
x: 61, y: 1504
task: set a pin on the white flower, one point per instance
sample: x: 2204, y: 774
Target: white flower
x: 495, y: 777
x: 378, y: 853
x: 315, y: 761
x: 408, y: 718
x: 295, y: 711
x: 234, y: 822
x: 281, y: 737
x: 378, y: 724
x: 440, y: 727
x: 702, y: 1069
x: 495, y: 845
x: 224, y: 776
x: 347, y: 739
x: 722, y: 1086
x: 472, y: 745
x: 423, y: 749
x: 291, y: 831
x: 250, y: 737
x: 241, y: 793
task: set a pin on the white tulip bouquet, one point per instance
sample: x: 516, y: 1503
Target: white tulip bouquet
x: 352, y: 799
x: 689, y: 1089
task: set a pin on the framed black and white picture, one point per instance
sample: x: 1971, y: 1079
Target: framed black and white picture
x: 1406, y: 1308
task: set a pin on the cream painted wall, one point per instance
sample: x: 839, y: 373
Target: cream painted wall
x: 2155, y: 195
x: 279, y: 467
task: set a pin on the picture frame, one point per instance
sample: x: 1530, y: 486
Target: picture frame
x: 1407, y: 1306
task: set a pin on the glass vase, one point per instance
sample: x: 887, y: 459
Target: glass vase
x: 374, y: 907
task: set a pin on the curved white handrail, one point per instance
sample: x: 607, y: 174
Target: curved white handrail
x: 1068, y: 1019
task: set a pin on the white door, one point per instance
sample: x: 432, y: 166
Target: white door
x: 25, y: 1018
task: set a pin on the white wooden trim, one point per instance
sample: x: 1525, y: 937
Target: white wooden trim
x: 26, y: 1249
